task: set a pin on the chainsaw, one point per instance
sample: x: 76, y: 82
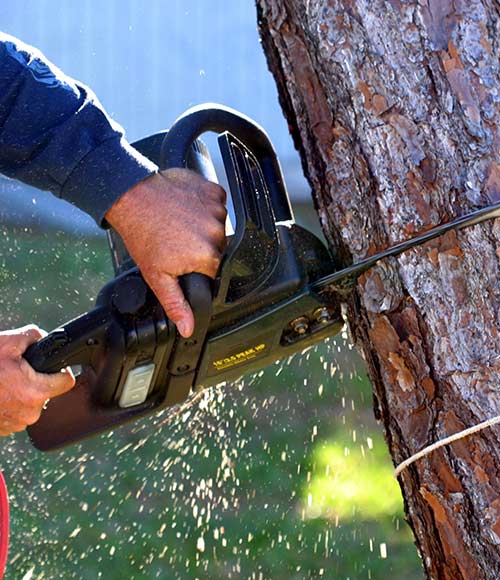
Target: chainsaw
x: 277, y: 292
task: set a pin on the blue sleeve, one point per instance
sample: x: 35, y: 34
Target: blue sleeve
x: 55, y: 135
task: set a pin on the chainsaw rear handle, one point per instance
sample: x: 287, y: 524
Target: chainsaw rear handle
x: 72, y: 344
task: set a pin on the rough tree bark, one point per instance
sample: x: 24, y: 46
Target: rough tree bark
x: 394, y: 106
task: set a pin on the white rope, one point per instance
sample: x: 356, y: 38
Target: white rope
x: 446, y: 441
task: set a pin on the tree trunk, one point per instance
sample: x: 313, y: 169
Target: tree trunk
x: 395, y: 106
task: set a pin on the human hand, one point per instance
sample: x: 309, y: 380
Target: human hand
x: 23, y: 391
x: 172, y: 223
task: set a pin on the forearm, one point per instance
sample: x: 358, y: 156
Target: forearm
x: 55, y: 135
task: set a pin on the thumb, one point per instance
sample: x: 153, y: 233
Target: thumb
x: 169, y: 293
x: 58, y: 383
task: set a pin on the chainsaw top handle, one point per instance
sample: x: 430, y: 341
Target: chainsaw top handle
x: 218, y: 118
x: 251, y: 165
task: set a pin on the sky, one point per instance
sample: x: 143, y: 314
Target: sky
x: 148, y: 61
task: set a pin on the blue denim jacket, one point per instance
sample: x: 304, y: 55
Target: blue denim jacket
x: 55, y: 135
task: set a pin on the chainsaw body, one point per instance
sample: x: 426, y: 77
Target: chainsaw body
x: 262, y: 307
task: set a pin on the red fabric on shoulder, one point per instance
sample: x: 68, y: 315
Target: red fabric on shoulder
x: 4, y: 525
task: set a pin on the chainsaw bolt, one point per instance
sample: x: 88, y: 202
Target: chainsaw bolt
x: 300, y: 325
x: 322, y: 315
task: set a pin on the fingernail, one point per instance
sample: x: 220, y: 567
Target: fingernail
x: 183, y: 328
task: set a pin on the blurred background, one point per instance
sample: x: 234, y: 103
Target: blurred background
x: 284, y: 474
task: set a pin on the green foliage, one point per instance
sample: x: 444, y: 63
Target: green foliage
x: 351, y: 477
x: 49, y: 277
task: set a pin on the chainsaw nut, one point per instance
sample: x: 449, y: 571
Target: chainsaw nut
x: 322, y: 315
x: 300, y: 325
